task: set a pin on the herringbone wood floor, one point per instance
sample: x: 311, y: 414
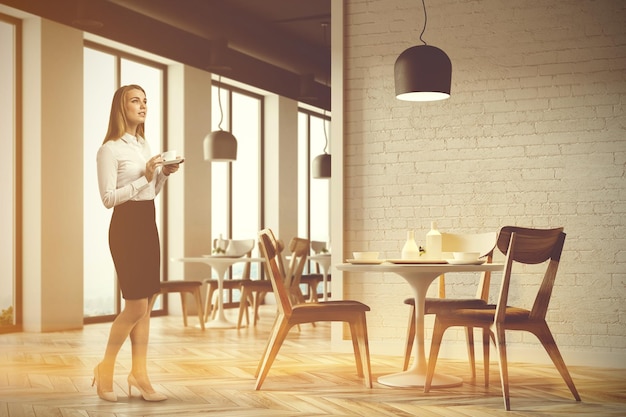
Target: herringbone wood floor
x: 211, y: 373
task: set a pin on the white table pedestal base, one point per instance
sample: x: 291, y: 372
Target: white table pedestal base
x: 218, y: 323
x: 410, y: 378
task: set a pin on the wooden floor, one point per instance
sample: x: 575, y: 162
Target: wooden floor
x: 211, y: 373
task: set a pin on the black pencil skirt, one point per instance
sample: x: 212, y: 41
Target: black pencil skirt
x: 134, y: 244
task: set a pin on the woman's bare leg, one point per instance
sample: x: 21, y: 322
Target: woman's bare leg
x: 139, y: 337
x: 134, y: 313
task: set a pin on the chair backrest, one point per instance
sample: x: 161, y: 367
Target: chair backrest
x: 280, y: 281
x: 483, y: 243
x: 530, y: 246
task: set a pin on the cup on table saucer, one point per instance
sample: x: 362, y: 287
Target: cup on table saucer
x: 365, y: 256
x: 466, y: 256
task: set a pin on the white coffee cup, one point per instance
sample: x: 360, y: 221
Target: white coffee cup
x: 169, y: 155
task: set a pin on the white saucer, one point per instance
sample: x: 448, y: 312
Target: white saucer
x: 365, y: 261
x: 416, y: 261
x: 461, y: 262
x: 173, y: 161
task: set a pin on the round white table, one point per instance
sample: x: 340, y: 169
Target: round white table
x: 220, y: 263
x: 419, y: 276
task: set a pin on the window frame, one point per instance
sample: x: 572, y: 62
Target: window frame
x: 229, y: 116
x: 18, y: 173
x: 120, y: 55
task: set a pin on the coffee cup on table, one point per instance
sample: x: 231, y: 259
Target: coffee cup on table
x: 365, y: 256
x: 466, y: 256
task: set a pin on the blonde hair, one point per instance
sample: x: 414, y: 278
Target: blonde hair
x: 117, y: 118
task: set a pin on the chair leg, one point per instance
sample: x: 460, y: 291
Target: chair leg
x: 153, y: 300
x: 279, y: 333
x: 198, y: 297
x: 214, y: 304
x: 435, y: 343
x: 355, y: 335
x: 504, y: 370
x: 410, y: 338
x: 487, y: 336
x: 183, y: 303
x: 358, y: 330
x: 243, y: 305
x: 208, y: 306
x: 313, y: 292
x: 547, y: 340
x: 471, y: 356
x: 257, y: 302
x: 249, y: 303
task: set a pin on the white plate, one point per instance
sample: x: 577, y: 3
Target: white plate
x: 221, y: 256
x: 173, y: 161
x: 365, y: 261
x: 460, y: 262
x: 417, y: 261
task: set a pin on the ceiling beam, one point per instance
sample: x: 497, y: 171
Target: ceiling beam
x: 265, y: 62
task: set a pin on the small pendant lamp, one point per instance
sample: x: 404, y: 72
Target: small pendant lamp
x: 423, y: 72
x: 320, y: 166
x: 220, y: 145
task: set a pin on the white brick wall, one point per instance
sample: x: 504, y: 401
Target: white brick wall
x: 533, y: 135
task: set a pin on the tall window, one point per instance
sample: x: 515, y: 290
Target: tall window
x: 313, y: 194
x: 104, y: 71
x: 236, y: 202
x: 10, y: 186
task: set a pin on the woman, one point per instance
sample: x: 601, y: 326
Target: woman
x: 129, y: 179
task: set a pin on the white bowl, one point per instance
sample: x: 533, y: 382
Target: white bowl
x: 238, y: 248
x: 365, y: 255
x: 466, y: 256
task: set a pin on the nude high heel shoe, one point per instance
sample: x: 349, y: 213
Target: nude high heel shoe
x: 147, y: 396
x: 105, y: 395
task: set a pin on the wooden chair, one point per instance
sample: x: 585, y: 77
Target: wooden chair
x: 312, y: 281
x: 289, y: 315
x: 184, y: 288
x: 483, y: 243
x: 242, y: 245
x: 253, y: 291
x: 521, y: 246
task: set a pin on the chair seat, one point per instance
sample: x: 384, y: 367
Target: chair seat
x: 330, y: 306
x: 259, y: 284
x: 182, y: 287
x: 486, y: 315
x: 436, y: 305
x: 227, y: 283
x: 311, y: 278
x: 179, y: 285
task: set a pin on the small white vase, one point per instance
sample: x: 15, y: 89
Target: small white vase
x: 433, y: 242
x: 410, y: 250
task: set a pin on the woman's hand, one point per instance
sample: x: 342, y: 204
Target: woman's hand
x: 171, y: 168
x: 152, y: 165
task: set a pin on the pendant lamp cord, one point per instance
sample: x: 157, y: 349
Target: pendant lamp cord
x: 425, y: 20
x: 219, y: 100
x: 324, y: 27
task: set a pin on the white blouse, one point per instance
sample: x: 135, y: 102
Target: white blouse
x: 121, y: 171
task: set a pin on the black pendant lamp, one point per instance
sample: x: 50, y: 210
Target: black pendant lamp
x: 423, y: 72
x: 220, y: 145
x: 320, y: 166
